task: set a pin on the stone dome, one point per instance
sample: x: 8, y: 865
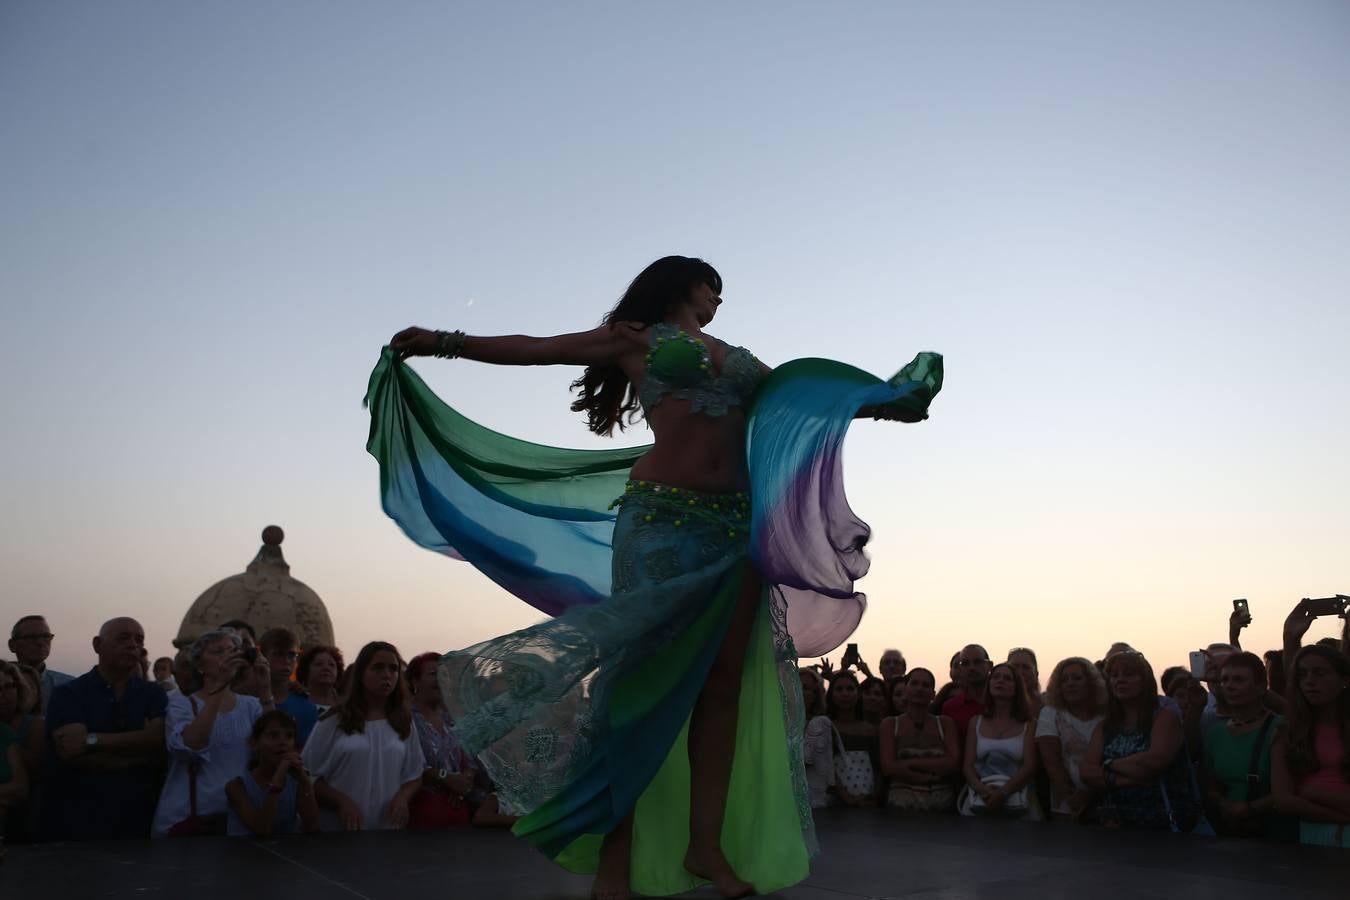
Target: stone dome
x: 265, y: 596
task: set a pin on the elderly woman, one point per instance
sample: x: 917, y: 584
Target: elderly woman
x: 319, y: 670
x: 1075, y: 702
x: 207, y: 733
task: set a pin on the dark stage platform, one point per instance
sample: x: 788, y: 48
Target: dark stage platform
x: 871, y: 854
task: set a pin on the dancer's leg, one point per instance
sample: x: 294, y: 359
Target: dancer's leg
x: 712, y: 745
x: 616, y: 854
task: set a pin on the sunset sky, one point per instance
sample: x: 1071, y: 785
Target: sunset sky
x: 1124, y: 225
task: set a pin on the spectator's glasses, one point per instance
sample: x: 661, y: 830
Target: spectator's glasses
x: 44, y: 638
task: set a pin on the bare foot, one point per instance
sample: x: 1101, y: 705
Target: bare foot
x: 713, y: 866
x: 610, y: 885
x: 611, y: 876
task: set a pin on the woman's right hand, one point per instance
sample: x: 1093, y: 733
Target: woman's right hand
x: 216, y: 678
x: 1297, y: 623
x: 349, y: 814
x: 414, y: 342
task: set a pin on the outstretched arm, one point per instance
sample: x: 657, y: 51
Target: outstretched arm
x: 604, y: 346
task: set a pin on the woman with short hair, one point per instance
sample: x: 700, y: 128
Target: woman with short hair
x: 919, y: 751
x: 1236, y: 777
x: 319, y: 670
x: 207, y: 735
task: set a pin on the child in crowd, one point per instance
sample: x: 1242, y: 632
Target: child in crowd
x: 276, y: 796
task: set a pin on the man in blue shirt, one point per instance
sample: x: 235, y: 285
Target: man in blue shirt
x: 30, y: 640
x: 279, y: 646
x: 106, y: 733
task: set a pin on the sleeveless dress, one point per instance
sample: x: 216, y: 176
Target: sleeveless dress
x: 938, y: 797
x: 999, y: 757
x: 584, y: 717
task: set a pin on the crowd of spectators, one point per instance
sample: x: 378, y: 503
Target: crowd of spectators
x: 243, y: 734
x: 237, y: 734
x: 1232, y: 743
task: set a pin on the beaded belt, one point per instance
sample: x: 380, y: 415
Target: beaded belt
x: 682, y: 505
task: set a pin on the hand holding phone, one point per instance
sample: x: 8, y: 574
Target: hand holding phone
x: 1327, y: 606
x: 1198, y: 661
x: 1242, y: 611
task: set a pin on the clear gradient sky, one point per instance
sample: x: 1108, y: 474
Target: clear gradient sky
x: 1127, y: 226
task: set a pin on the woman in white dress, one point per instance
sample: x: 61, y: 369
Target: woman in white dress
x: 1075, y: 702
x: 364, y: 755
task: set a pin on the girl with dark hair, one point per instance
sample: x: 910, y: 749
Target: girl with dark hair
x: 1000, y: 759
x: 919, y: 751
x: 1310, y: 762
x: 856, y: 738
x: 366, y: 762
x: 670, y: 655
x: 276, y: 794
x: 1135, y: 758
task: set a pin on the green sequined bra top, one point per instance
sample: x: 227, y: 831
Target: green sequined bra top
x: 681, y: 365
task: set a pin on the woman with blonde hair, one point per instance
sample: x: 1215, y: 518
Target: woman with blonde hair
x: 1075, y: 703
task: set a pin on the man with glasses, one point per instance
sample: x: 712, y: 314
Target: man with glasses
x: 973, y: 667
x: 279, y: 646
x: 30, y: 640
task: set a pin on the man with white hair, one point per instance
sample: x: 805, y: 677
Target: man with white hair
x: 107, y: 730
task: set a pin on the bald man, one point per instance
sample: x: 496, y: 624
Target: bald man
x: 106, y: 729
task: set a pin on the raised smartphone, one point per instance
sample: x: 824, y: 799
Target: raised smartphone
x: 1240, y: 606
x: 1197, y: 664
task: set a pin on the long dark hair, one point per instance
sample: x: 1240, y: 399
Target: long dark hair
x: 832, y: 708
x: 1148, y: 693
x: 1303, y: 718
x: 1021, y: 706
x: 607, y: 397
x: 351, y: 709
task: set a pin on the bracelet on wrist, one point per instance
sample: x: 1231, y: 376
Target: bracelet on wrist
x: 449, y: 344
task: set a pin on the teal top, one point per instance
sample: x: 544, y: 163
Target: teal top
x: 1229, y: 757
x: 681, y: 365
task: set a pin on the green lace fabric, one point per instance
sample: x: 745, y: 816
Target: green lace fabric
x: 680, y: 364
x: 585, y: 716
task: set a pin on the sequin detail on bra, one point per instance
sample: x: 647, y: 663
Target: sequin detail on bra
x: 681, y: 365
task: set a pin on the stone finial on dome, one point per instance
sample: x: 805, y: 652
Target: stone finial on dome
x: 264, y: 595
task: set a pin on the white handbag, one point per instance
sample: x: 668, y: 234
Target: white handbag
x: 972, y: 804
x: 853, y: 769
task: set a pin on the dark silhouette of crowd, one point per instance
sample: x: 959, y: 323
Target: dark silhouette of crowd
x: 1232, y: 743
x: 251, y: 734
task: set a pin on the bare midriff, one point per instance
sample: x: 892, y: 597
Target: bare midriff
x: 695, y: 451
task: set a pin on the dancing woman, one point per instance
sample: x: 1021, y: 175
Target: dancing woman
x: 666, y: 683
